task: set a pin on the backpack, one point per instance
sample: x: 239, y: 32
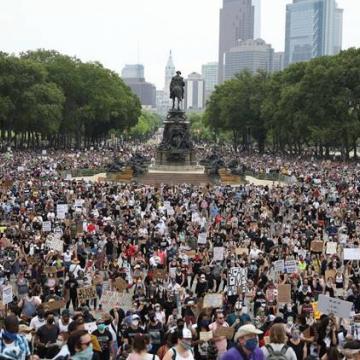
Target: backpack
x: 276, y: 355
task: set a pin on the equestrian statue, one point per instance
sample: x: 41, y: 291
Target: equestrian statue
x: 177, y: 86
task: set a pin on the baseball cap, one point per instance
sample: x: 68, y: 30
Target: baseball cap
x: 248, y: 329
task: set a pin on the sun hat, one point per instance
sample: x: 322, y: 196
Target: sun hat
x: 248, y: 329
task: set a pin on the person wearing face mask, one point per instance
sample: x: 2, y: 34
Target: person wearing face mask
x: 39, y: 320
x: 246, y: 345
x: 80, y: 346
x: 133, y: 329
x: 62, y: 347
x: 105, y: 340
x: 141, y: 346
x: 46, y: 337
x: 220, y: 341
x: 202, y: 286
x: 297, y: 344
x: 183, y: 348
x: 156, y: 332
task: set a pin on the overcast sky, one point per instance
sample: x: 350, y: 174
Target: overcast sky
x: 119, y: 32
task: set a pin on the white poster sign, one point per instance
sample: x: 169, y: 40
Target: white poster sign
x: 279, y: 265
x: 61, y: 210
x: 54, y: 243
x: 202, y: 238
x: 340, y: 308
x: 237, y: 280
x: 290, y: 266
x: 331, y: 247
x: 46, y: 226
x: 352, y: 254
x: 7, y: 294
x: 219, y: 253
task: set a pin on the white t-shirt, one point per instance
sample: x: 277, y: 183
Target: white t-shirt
x: 64, y: 327
x: 36, y: 323
x: 290, y: 353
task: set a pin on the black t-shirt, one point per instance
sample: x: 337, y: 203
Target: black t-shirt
x: 155, y: 332
x: 48, y: 333
x: 129, y: 333
x: 72, y: 285
x: 299, y: 349
x: 103, y: 339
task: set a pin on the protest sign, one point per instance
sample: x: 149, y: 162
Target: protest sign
x: 237, y: 280
x: 167, y: 204
x: 46, y: 226
x: 54, y: 243
x: 290, y: 266
x: 61, y: 210
x: 218, y: 253
x: 279, y: 265
x: 206, y: 335
x: 110, y: 300
x: 270, y: 295
x: 43, y: 152
x: 228, y: 332
x: 79, y: 203
x: 195, y: 217
x: 331, y: 247
x: 7, y: 294
x: 317, y: 246
x: 213, y: 301
x: 90, y: 327
x: 340, y: 308
x: 190, y: 253
x: 352, y: 254
x: 202, y: 238
x: 330, y: 274
x: 86, y: 293
x: 159, y: 274
x: 68, y: 177
x: 50, y: 269
x: 20, y: 168
x: 53, y: 305
x: 284, y: 294
x: 120, y: 284
x: 242, y: 251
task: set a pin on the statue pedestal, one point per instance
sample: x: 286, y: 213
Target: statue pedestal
x: 176, y: 148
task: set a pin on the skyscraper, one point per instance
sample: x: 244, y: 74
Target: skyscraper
x: 236, y: 23
x: 257, y: 18
x: 278, y: 61
x: 251, y: 55
x: 135, y: 71
x: 313, y: 28
x: 209, y: 73
x: 169, y: 73
x: 194, y: 92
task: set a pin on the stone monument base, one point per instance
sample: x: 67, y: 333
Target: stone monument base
x: 176, y: 169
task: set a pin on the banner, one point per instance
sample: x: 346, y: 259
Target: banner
x: 340, y: 308
x: 352, y: 254
x: 237, y: 280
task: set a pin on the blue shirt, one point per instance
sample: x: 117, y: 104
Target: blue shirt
x: 17, y: 350
x: 234, y: 354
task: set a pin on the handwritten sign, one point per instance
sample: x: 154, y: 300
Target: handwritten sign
x: 279, y: 265
x: 331, y: 247
x: 90, y: 327
x: 202, y: 238
x: 340, y: 308
x: 213, y: 301
x: 330, y: 274
x: 7, y: 294
x: 218, y: 253
x: 242, y: 251
x: 86, y: 293
x: 159, y: 274
x: 317, y: 246
x: 290, y: 266
x: 206, y: 335
x: 228, y: 332
x: 237, y: 280
x: 46, y: 226
x: 54, y: 243
x: 284, y: 294
x: 53, y: 305
x: 61, y: 210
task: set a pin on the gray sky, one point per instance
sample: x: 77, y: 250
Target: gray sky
x: 119, y: 32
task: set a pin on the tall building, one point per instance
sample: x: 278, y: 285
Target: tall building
x: 251, y: 55
x: 169, y: 73
x: 133, y: 76
x: 209, y: 73
x: 236, y: 23
x: 194, y: 92
x: 278, y: 61
x: 313, y: 28
x: 135, y: 71
x: 257, y: 18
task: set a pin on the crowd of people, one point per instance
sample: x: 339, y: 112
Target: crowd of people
x: 189, y: 272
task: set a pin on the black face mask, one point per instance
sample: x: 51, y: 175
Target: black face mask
x: 50, y: 321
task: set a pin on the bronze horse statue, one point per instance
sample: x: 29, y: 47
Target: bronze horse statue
x: 177, y: 90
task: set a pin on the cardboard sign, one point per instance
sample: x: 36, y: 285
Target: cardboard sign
x: 330, y: 274
x: 242, y: 251
x: 317, y: 246
x: 46, y: 226
x: 213, y: 301
x: 202, y: 238
x: 279, y: 265
x: 120, y: 284
x: 284, y: 294
x: 50, y: 269
x: 340, y: 308
x: 53, y: 305
x: 352, y: 254
x: 159, y: 274
x: 290, y: 266
x: 86, y: 293
x: 237, y: 280
x: 331, y: 247
x: 7, y: 294
x: 228, y: 332
x: 190, y: 253
x: 218, y: 253
x: 206, y: 335
x: 110, y: 300
x: 54, y: 243
x: 90, y: 327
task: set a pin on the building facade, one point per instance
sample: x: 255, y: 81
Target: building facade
x: 257, y: 18
x: 251, y: 55
x: 278, y: 61
x: 169, y: 73
x: 236, y: 23
x: 209, y: 73
x: 313, y: 28
x: 133, y: 71
x: 194, y: 93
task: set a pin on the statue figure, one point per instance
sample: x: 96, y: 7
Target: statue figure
x: 177, y: 89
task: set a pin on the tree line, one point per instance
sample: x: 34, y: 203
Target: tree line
x: 54, y: 99
x: 311, y: 105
